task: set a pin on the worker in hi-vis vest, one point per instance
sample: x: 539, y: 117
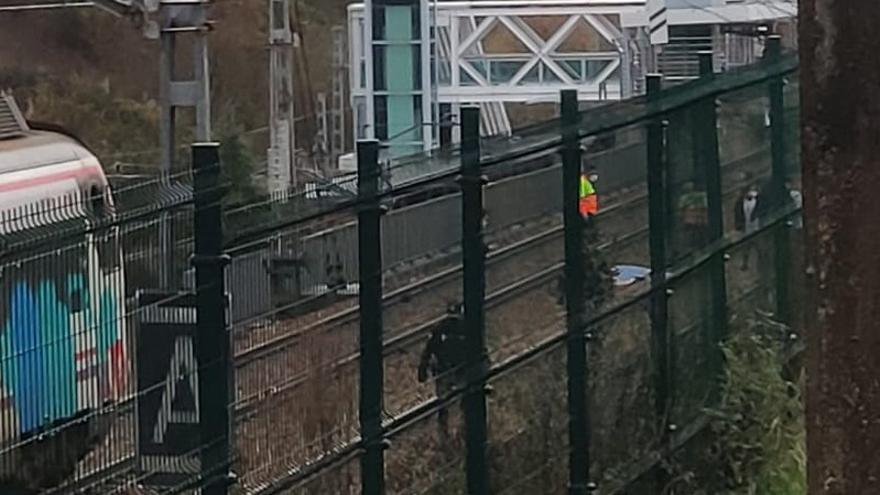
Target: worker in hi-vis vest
x: 588, y: 204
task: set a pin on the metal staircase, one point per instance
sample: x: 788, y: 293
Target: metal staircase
x: 12, y: 123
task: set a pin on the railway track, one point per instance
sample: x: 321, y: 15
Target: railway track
x: 633, y: 210
x: 272, y: 367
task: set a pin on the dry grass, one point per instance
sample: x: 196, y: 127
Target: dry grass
x: 293, y: 424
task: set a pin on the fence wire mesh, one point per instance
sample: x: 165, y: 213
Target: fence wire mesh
x: 110, y: 375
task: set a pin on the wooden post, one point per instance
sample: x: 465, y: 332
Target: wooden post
x: 840, y: 108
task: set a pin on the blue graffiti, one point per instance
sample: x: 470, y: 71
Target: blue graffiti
x: 38, y: 347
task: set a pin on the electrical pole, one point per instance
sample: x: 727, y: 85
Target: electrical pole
x: 177, y: 19
x: 840, y: 108
x: 174, y: 93
x: 165, y: 20
x: 338, y: 102
x: 322, y: 145
x: 282, y: 165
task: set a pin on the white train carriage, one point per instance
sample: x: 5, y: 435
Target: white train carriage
x: 63, y: 347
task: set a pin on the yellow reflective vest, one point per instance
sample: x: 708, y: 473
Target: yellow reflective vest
x: 587, y: 188
x: 589, y: 200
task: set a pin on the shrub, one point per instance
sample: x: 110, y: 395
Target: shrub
x: 756, y: 441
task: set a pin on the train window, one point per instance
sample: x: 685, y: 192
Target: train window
x: 108, y: 245
x: 70, y: 269
x: 106, y: 239
x: 97, y: 205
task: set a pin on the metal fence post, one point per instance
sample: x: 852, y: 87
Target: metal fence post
x: 706, y: 126
x: 212, y: 344
x: 578, y: 414
x: 370, y: 300
x: 657, y: 202
x: 474, y: 261
x: 778, y: 189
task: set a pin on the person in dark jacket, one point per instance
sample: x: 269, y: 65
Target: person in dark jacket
x: 796, y: 200
x: 693, y: 214
x: 444, y: 357
x: 752, y: 208
x: 745, y: 216
x: 334, y: 273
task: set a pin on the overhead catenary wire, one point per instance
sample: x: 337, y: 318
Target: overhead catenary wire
x: 25, y: 7
x: 617, y: 115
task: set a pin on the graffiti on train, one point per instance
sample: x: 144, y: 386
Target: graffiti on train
x: 61, y: 351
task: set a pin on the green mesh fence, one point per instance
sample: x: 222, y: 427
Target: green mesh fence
x: 306, y: 356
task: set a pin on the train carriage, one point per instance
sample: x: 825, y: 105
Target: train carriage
x: 63, y: 344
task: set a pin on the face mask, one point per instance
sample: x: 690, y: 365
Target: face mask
x: 593, y: 178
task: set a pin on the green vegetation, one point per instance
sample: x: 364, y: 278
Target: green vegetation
x: 238, y: 168
x: 120, y: 129
x: 116, y: 128
x: 756, y: 443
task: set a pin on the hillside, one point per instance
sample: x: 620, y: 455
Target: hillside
x: 97, y: 75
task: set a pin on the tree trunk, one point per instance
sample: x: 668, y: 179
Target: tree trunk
x: 840, y: 108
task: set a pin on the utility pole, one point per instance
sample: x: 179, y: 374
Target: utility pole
x: 165, y: 20
x: 282, y: 167
x: 174, y: 93
x: 322, y: 145
x: 338, y: 101
x: 840, y: 108
x: 177, y: 19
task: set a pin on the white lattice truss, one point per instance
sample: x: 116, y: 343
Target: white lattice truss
x: 540, y: 72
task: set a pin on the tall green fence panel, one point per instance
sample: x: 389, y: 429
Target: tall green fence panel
x: 528, y: 426
x: 691, y: 323
x: 412, y: 334
x: 426, y: 453
x: 797, y: 283
x: 621, y: 364
x: 622, y: 394
x: 746, y: 161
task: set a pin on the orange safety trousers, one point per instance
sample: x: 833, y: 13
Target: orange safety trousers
x: 589, y: 205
